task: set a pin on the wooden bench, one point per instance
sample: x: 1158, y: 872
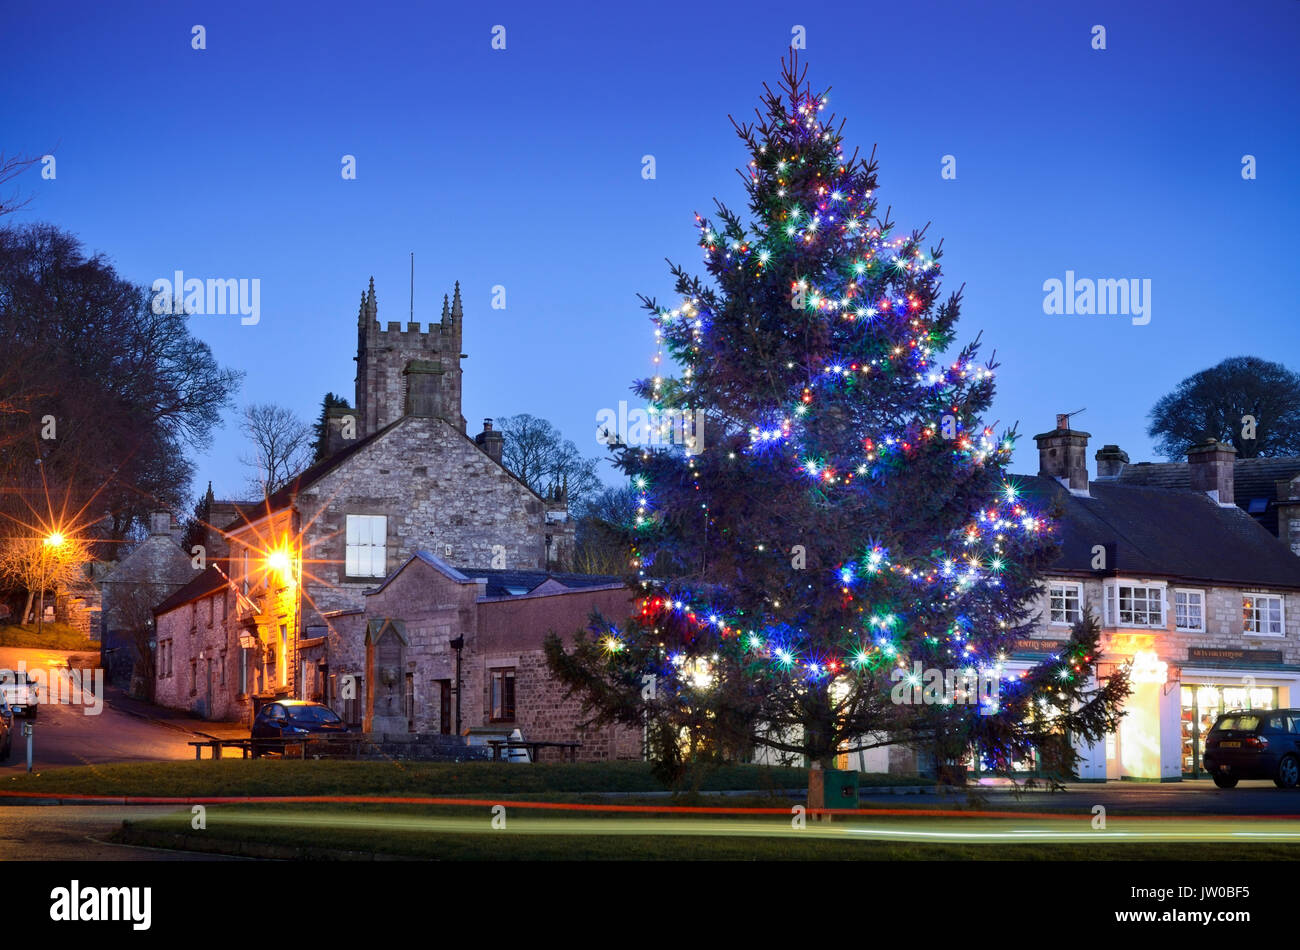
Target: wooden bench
x: 533, y: 748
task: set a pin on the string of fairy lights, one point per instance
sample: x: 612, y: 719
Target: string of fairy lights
x: 881, y: 289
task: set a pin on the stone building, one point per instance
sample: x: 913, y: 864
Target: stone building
x: 151, y: 571
x: 402, y: 476
x: 199, y: 663
x: 1190, y: 588
x: 392, y: 666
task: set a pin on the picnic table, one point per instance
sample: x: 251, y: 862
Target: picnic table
x: 295, y: 748
x: 568, y: 750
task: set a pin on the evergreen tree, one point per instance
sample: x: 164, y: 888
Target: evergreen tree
x: 844, y: 516
x: 322, y: 442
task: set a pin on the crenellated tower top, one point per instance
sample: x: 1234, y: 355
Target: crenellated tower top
x: 408, y: 371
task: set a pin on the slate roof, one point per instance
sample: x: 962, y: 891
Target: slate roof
x: 1251, y: 479
x: 1161, y: 532
x: 503, y: 583
x: 209, y: 581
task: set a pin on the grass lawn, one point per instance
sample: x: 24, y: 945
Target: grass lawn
x: 327, y: 777
x: 54, y: 636
x: 361, y: 832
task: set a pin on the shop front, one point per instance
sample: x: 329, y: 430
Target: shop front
x: 1216, y: 681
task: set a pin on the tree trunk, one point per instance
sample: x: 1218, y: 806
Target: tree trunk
x: 27, y: 610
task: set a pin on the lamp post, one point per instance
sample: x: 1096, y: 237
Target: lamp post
x: 54, y: 540
x: 458, y: 644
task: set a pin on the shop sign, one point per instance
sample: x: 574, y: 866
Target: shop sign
x: 1240, y: 656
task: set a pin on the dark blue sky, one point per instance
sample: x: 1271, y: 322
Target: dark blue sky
x: 523, y: 168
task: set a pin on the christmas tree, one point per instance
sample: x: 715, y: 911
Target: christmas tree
x: 824, y: 518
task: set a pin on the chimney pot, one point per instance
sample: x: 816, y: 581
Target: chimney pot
x: 490, y: 441
x: 1062, y: 454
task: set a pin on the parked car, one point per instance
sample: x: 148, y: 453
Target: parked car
x: 287, y: 718
x: 6, y: 731
x: 1254, y: 744
x: 19, y: 691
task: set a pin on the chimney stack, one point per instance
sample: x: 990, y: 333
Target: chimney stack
x: 491, y: 441
x: 1062, y: 454
x: 1111, y: 460
x: 1210, y: 465
x: 160, y: 522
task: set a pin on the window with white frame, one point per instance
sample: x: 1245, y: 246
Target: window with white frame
x: 1065, y: 603
x: 367, y: 546
x: 1189, y: 610
x: 1134, y: 605
x: 1262, y: 614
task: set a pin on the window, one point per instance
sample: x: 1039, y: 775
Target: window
x: 1189, y: 610
x: 243, y: 575
x: 212, y: 606
x: 284, y: 655
x: 221, y: 669
x: 1262, y: 615
x: 1135, y: 605
x: 1066, y: 603
x: 162, y: 659
x: 194, y: 677
x: 503, y: 695
x: 366, y: 553
x: 243, y: 671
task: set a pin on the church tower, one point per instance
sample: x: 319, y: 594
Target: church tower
x: 408, y: 371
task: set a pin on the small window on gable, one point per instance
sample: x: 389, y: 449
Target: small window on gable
x: 1257, y: 506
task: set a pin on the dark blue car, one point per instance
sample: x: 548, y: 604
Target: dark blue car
x: 1258, y: 744
x: 291, y: 718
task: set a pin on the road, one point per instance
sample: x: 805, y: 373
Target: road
x: 78, y: 833
x: 1190, y: 797
x: 66, y: 735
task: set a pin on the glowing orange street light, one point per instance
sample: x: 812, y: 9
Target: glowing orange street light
x: 54, y: 540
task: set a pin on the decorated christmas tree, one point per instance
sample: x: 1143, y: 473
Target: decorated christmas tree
x: 824, y: 521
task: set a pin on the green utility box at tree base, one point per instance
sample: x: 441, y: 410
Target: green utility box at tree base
x: 841, y: 788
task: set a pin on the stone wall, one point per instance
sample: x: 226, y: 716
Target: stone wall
x: 1224, y: 627
x: 440, y: 493
x: 203, y: 645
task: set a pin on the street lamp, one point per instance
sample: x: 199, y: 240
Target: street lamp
x: 54, y: 540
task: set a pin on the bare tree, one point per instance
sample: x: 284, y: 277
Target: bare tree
x: 603, y: 532
x: 11, y: 166
x: 543, y: 459
x: 36, y: 564
x: 283, y: 445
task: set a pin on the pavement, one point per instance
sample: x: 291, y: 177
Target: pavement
x: 173, y: 718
